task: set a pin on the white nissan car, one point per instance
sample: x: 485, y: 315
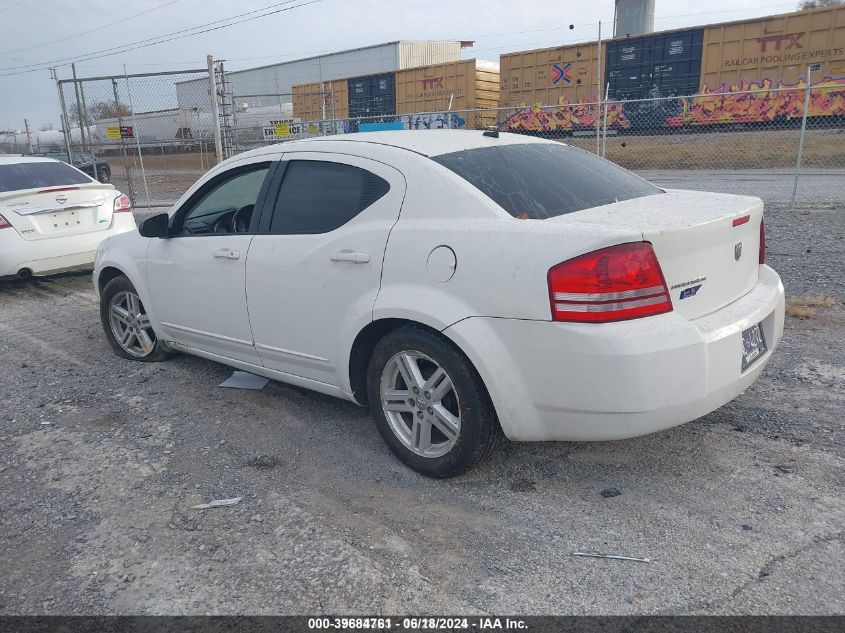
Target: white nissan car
x: 53, y: 217
x: 463, y: 285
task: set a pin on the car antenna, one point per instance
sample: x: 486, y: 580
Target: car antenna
x: 492, y: 131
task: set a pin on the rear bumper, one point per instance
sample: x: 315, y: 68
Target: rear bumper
x: 56, y: 254
x: 567, y: 381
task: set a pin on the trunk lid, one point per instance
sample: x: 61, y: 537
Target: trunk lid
x: 708, y: 251
x: 49, y: 212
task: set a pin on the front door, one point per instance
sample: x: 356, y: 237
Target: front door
x: 196, y: 276
x: 314, y: 268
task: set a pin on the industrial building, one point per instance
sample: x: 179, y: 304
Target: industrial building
x: 247, y: 86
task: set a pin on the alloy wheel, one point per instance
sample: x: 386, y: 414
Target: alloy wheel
x: 130, y: 324
x: 421, y: 404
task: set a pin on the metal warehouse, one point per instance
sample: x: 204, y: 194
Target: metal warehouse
x: 279, y: 79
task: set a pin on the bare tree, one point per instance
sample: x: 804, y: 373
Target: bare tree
x: 815, y: 4
x: 98, y: 111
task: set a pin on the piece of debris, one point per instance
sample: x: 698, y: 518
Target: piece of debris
x: 612, y: 556
x: 607, y: 493
x: 46, y: 423
x: 218, y: 503
x: 244, y: 380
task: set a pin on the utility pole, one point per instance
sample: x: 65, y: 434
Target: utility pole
x: 810, y: 69
x: 215, y: 112
x: 123, y: 141
x: 28, y: 135
x: 64, y: 117
x: 598, y: 93
x: 81, y: 114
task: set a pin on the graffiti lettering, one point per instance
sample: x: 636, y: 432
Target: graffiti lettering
x: 744, y: 102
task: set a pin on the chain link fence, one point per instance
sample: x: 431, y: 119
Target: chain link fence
x: 157, y: 133
x: 152, y: 134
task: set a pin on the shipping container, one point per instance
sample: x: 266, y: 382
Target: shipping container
x: 549, y: 76
x: 463, y: 85
x: 659, y: 65
x: 373, y: 95
x: 318, y: 101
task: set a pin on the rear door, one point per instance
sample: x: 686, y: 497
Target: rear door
x: 196, y: 276
x: 314, y: 269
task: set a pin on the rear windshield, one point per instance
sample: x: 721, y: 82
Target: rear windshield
x: 544, y: 180
x: 35, y: 175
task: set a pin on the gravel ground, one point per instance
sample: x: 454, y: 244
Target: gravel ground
x: 741, y: 511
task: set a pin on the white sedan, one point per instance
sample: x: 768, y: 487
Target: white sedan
x: 463, y: 285
x: 53, y: 217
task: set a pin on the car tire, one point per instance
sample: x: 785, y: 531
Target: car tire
x: 122, y: 312
x: 440, y: 431
x: 104, y: 176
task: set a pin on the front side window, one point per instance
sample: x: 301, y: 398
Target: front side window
x: 544, y: 180
x: 320, y: 196
x: 37, y: 175
x: 227, y: 206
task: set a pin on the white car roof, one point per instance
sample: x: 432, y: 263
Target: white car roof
x: 425, y: 142
x: 16, y: 160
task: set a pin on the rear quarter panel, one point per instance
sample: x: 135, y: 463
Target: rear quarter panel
x: 502, y: 262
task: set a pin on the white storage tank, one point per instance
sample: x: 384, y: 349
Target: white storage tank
x: 633, y: 17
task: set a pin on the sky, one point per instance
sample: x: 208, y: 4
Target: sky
x: 37, y: 32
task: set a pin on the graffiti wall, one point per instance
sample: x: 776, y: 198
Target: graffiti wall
x: 565, y: 117
x: 737, y: 103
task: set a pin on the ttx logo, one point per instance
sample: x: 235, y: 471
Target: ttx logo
x: 790, y: 40
x: 433, y: 82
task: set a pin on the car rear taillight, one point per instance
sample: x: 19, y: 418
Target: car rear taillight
x: 611, y: 284
x: 122, y: 203
x: 762, y: 241
x: 4, y: 223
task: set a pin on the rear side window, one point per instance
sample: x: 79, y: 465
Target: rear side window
x: 37, y: 175
x: 539, y: 180
x: 320, y: 196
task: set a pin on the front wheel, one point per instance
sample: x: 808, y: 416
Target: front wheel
x: 429, y: 403
x: 127, y: 326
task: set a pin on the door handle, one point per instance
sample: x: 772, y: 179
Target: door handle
x: 226, y: 253
x: 351, y: 256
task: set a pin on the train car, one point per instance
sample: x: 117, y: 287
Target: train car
x: 407, y: 99
x: 555, y: 89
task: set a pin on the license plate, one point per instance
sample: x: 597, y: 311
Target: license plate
x: 753, y: 345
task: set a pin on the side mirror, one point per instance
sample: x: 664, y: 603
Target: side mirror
x: 155, y: 226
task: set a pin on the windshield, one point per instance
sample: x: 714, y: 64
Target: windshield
x: 544, y: 180
x: 34, y: 175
